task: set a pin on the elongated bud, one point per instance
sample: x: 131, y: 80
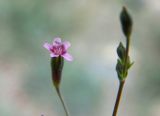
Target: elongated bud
x: 56, y: 68
x: 126, y: 22
x: 121, y: 51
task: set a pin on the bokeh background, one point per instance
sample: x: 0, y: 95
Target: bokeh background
x: 89, y: 85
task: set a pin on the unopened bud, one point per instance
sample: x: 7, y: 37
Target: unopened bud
x: 121, y: 51
x: 126, y: 22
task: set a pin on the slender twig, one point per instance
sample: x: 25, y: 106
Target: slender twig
x: 119, y: 94
x: 123, y: 63
x: 127, y: 51
x: 62, y: 101
x: 122, y: 82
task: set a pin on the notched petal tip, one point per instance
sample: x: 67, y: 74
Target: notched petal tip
x: 47, y: 45
x: 67, y: 56
x: 66, y: 44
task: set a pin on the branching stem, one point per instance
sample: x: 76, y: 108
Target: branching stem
x: 122, y: 82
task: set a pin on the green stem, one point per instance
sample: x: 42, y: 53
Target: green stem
x: 119, y: 94
x: 127, y: 46
x: 127, y: 52
x: 62, y: 101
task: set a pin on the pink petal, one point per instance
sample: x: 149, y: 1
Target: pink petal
x: 56, y: 41
x: 47, y: 46
x: 67, y: 56
x: 53, y: 55
x: 66, y: 44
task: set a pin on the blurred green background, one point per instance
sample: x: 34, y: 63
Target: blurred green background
x: 89, y: 83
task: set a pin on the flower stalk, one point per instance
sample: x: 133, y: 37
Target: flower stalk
x: 62, y: 101
x: 58, y: 52
x: 121, y: 85
x: 123, y: 62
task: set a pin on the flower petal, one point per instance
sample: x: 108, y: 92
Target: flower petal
x: 67, y: 56
x: 47, y: 46
x: 66, y: 44
x: 57, y: 40
x: 53, y: 55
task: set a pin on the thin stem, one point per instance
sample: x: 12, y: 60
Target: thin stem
x: 127, y: 52
x: 127, y: 45
x: 119, y: 94
x: 62, y: 101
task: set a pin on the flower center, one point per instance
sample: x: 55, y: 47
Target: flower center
x: 58, y: 50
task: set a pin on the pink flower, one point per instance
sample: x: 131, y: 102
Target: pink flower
x: 59, y: 48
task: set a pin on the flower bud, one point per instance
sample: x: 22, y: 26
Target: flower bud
x: 56, y: 68
x: 121, y: 51
x: 126, y: 22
